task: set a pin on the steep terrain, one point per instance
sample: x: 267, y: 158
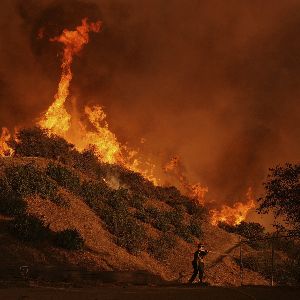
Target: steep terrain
x: 163, y: 225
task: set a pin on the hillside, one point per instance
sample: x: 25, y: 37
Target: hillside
x: 126, y: 222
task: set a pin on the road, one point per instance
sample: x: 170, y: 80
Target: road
x: 150, y: 293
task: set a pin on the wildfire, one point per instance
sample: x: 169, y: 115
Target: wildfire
x: 195, y: 191
x: 5, y: 150
x: 95, y: 132
x: 60, y: 122
x: 233, y: 215
x: 57, y: 119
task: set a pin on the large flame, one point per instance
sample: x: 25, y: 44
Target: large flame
x: 5, y: 149
x: 96, y: 133
x: 57, y: 120
x: 233, y: 215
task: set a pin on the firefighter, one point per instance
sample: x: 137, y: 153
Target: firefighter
x: 198, y: 263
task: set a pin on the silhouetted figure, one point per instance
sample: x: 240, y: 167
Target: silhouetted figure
x: 198, y: 263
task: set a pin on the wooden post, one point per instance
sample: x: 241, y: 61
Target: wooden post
x: 272, y: 266
x: 241, y: 262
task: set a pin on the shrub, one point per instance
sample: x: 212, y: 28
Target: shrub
x: 88, y: 162
x: 10, y: 202
x: 118, y: 198
x: 169, y: 194
x: 152, y: 215
x: 196, y: 209
x: 142, y: 215
x: 160, y: 247
x: 29, y: 228
x: 37, y: 142
x: 195, y: 226
x: 174, y: 217
x: 227, y: 227
x: 69, y: 239
x: 137, y: 201
x: 135, y: 181
x: 249, y: 230
x: 64, y: 177
x: 196, y: 230
x: 93, y: 192
x: 162, y: 222
x: 129, y: 234
x: 152, y: 212
x: 59, y: 200
x: 22, y: 181
x: 27, y: 180
x: 184, y: 232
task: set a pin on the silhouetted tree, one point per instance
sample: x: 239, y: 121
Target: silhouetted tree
x: 282, y: 195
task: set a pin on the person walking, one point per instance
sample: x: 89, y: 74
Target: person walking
x: 198, y: 263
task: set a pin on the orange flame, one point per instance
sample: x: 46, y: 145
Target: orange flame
x: 57, y: 119
x: 233, y: 215
x: 195, y: 191
x: 97, y: 134
x: 5, y: 150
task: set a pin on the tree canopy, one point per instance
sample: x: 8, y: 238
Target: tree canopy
x: 282, y: 195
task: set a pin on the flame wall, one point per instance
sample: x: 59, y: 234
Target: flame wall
x: 215, y: 82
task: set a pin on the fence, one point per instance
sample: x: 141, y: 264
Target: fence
x: 277, y: 258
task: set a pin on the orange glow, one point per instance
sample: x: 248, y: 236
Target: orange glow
x: 95, y: 132
x: 5, y: 150
x: 195, y: 191
x: 233, y: 215
x: 57, y: 120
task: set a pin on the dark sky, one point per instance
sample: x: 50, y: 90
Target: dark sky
x: 215, y: 82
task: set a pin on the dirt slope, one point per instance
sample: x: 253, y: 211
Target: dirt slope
x: 102, y: 253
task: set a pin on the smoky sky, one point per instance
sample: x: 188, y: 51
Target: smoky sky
x: 214, y: 82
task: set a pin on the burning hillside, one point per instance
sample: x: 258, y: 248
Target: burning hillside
x: 91, y: 130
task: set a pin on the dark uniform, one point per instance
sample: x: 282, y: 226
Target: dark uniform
x: 198, y: 264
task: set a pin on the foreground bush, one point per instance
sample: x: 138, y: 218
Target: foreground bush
x: 185, y: 233
x: 69, y: 239
x: 135, y: 181
x: 29, y: 228
x: 160, y: 247
x: 36, y: 142
x: 11, y: 203
x: 27, y: 180
x: 64, y: 177
x: 22, y: 181
x: 196, y: 230
x: 129, y: 233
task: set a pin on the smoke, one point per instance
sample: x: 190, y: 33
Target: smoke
x: 215, y: 82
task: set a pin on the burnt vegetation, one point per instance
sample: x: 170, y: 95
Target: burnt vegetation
x: 124, y: 211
